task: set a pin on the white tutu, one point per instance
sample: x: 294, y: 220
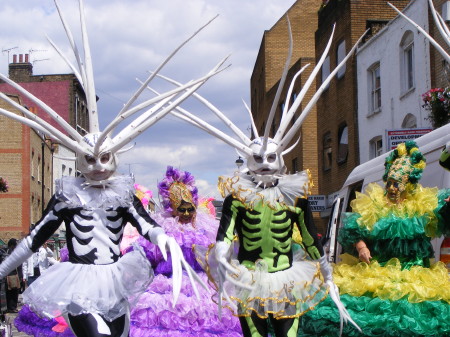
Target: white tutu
x: 79, y: 288
x: 285, y: 294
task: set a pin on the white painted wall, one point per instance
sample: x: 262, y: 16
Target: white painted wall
x: 385, y: 48
x: 59, y: 162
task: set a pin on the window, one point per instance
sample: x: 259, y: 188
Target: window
x: 326, y: 69
x: 409, y: 122
x: 375, y: 89
x: 32, y: 164
x: 376, y: 147
x: 343, y: 143
x: 340, y: 55
x: 38, y: 169
x: 407, y: 61
x: 294, y: 165
x: 327, y: 151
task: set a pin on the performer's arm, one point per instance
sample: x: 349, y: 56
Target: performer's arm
x: 139, y: 218
x: 40, y: 233
x: 226, y: 228
x: 308, y: 230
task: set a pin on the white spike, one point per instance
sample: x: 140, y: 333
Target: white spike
x: 291, y: 133
x: 279, y: 90
x: 132, y: 131
x: 155, y: 100
x: 214, y: 109
x: 291, y: 148
x: 420, y: 29
x: 90, y: 86
x: 255, y: 130
x: 291, y: 89
x: 139, y: 91
x: 290, y: 114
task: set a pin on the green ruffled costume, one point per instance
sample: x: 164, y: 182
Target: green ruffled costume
x: 400, y: 293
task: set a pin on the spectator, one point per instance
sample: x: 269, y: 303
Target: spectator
x: 13, y: 282
x: 37, y: 263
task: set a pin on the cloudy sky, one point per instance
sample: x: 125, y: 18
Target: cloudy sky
x: 130, y: 38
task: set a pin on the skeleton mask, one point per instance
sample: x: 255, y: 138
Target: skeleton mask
x: 96, y: 168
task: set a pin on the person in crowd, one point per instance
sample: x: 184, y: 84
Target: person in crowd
x: 37, y: 264
x: 13, y: 284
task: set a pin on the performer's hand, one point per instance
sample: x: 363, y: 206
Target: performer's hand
x: 364, y: 255
x: 363, y: 252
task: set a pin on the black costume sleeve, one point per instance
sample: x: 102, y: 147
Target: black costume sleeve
x: 308, y: 220
x: 139, y: 218
x: 225, y: 232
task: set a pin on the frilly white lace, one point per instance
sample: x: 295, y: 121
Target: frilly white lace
x: 290, y: 187
x: 119, y: 191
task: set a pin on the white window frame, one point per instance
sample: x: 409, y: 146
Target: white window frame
x: 376, y: 147
x: 407, y: 62
x: 374, y: 88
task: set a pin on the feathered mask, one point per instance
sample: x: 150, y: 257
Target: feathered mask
x: 176, y: 187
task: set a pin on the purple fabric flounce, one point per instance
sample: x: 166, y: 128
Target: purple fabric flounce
x: 153, y: 315
x: 30, y: 323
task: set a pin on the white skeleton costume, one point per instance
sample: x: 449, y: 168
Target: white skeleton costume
x: 262, y: 207
x: 92, y: 288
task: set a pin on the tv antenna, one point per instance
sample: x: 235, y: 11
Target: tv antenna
x: 31, y: 51
x: 8, y: 50
x: 34, y: 61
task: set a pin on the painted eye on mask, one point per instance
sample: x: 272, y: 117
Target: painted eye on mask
x: 271, y: 157
x: 105, y: 157
x: 258, y: 158
x: 90, y: 159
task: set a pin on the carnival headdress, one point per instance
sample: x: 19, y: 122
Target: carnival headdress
x: 176, y: 187
x: 265, y: 154
x: 91, y: 147
x: 405, y: 165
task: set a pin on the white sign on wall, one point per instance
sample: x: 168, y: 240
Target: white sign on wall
x: 395, y: 137
x: 318, y: 203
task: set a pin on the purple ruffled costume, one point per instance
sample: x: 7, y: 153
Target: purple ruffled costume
x: 153, y: 315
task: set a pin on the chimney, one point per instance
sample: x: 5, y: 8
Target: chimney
x: 21, y: 71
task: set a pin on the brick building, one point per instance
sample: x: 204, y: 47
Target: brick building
x: 26, y: 156
x: 266, y: 76
x: 337, y: 122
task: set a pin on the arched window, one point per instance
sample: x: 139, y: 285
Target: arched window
x: 376, y: 147
x: 409, y: 122
x: 407, y: 61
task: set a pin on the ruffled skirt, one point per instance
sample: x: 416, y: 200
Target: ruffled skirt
x: 75, y: 289
x: 386, y: 301
x: 284, y: 294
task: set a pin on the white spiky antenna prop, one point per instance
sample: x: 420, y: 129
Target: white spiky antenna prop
x: 160, y: 105
x: 440, y: 24
x: 283, y: 136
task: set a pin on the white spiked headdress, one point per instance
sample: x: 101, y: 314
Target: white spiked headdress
x: 92, y: 149
x: 264, y: 154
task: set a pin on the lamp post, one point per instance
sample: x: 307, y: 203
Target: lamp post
x: 239, y: 162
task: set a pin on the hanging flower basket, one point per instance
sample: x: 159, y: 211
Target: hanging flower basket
x: 437, y: 102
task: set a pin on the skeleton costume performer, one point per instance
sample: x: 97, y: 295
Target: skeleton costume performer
x: 92, y: 289
x: 262, y: 275
x: 393, y: 290
x: 187, y: 218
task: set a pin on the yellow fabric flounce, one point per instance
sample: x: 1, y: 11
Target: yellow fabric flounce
x: 392, y: 283
x: 373, y: 205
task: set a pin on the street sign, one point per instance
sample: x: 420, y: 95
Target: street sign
x: 318, y: 203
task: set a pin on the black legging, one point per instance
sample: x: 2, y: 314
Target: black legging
x: 281, y: 327
x: 85, y: 325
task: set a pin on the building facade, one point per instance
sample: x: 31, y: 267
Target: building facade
x: 28, y: 160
